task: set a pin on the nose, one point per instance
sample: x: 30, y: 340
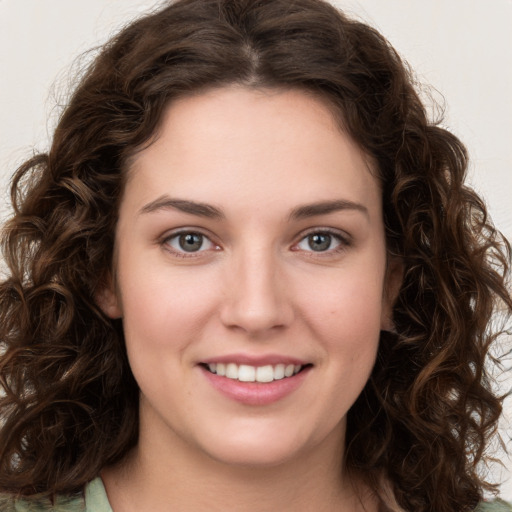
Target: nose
x: 256, y: 296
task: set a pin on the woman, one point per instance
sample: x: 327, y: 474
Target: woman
x: 248, y: 273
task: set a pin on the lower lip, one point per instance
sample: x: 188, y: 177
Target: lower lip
x: 256, y: 393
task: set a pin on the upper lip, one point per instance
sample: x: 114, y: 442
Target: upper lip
x: 255, y: 360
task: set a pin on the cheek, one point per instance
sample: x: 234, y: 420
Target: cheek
x: 163, y: 316
x: 347, y: 307
x: 344, y: 317
x: 164, y: 307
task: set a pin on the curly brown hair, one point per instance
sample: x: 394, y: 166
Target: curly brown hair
x: 69, y: 405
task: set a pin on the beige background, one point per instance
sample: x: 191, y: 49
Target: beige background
x: 462, y: 48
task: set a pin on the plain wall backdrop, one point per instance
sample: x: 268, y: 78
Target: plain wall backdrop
x: 460, y: 48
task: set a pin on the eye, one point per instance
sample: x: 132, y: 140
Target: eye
x: 189, y: 242
x: 321, y: 241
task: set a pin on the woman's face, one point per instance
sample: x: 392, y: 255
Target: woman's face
x: 250, y: 243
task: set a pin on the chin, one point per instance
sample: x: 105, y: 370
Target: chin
x: 258, y: 447
x: 254, y: 456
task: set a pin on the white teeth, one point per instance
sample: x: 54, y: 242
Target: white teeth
x: 279, y: 371
x: 265, y: 373
x: 232, y: 371
x: 248, y: 373
x: 289, y: 369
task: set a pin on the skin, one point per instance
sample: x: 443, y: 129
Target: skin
x: 255, y: 287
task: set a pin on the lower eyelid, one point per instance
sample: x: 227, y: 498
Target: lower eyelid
x: 343, y: 241
x: 167, y: 239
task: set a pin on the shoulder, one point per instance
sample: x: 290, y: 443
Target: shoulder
x: 494, y: 506
x: 93, y: 500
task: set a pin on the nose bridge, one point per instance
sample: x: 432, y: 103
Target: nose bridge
x: 256, y: 300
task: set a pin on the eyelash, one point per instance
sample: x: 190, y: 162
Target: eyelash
x: 343, y: 241
x: 166, y: 242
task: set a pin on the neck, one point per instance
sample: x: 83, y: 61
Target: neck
x: 167, y: 475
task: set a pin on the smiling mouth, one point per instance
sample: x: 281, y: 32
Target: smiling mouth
x: 248, y: 373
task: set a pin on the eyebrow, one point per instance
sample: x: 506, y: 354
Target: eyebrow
x: 326, y: 207
x: 207, y: 210
x: 165, y: 202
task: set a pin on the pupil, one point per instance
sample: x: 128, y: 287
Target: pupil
x: 191, y: 242
x: 319, y: 242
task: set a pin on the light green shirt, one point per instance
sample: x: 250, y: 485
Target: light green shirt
x: 96, y: 501
x: 96, y: 497
x: 494, y: 506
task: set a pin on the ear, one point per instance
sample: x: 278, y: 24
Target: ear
x: 392, y: 284
x: 107, y: 299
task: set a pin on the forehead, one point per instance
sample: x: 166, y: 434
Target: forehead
x: 261, y: 145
